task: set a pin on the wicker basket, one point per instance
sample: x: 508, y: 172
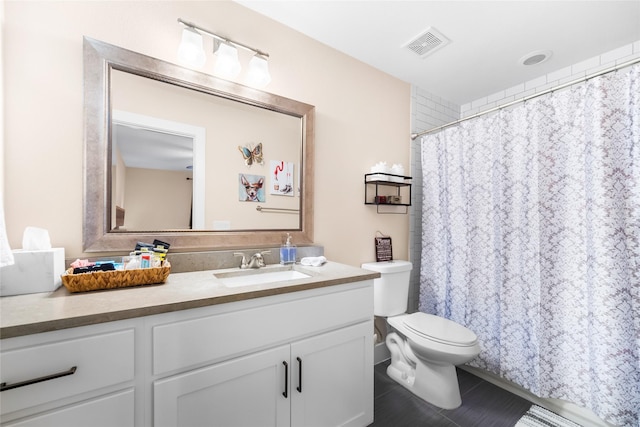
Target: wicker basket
x: 114, y: 279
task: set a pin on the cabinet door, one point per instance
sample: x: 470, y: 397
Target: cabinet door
x: 332, y: 378
x: 246, y: 391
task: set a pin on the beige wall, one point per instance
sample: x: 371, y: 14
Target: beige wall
x: 362, y: 115
x: 146, y: 204
x: 2, y: 189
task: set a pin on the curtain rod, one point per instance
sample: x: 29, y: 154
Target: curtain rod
x: 526, y: 98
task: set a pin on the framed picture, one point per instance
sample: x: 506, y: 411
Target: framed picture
x: 281, y: 178
x: 384, y: 251
x: 250, y: 188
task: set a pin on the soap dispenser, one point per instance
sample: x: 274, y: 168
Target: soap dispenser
x: 288, y: 252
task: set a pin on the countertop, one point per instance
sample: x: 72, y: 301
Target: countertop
x: 49, y: 311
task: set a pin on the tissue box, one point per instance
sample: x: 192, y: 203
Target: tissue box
x: 33, y: 271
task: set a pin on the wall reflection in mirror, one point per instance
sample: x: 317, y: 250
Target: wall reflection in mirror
x: 182, y: 159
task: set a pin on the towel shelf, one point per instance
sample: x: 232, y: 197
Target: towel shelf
x: 387, y: 191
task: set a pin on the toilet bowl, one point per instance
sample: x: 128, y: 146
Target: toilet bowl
x: 433, y: 345
x: 424, y: 348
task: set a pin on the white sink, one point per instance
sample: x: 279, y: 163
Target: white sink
x: 262, y: 276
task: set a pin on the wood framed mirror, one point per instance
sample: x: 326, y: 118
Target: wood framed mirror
x: 127, y: 93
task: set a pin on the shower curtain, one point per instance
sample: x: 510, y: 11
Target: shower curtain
x: 531, y: 238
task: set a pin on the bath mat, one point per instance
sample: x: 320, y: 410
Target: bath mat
x: 540, y: 417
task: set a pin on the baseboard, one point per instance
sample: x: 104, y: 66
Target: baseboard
x: 571, y: 411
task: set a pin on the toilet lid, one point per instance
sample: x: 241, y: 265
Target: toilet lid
x: 439, y: 329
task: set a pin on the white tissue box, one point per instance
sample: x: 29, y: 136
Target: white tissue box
x: 33, y: 271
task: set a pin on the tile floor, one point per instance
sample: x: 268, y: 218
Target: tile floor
x: 483, y: 404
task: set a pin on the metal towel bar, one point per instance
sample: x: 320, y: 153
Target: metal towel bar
x: 261, y: 209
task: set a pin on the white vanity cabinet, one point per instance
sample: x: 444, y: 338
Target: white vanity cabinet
x: 320, y: 381
x: 304, y: 361
x: 299, y: 358
x: 73, y: 377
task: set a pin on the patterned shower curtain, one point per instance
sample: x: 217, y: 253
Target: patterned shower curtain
x: 531, y: 238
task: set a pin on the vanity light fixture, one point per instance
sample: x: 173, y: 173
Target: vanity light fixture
x: 191, y: 50
x: 226, y: 53
x: 258, y: 73
x: 227, y: 63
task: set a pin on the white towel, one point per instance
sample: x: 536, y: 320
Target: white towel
x: 313, y: 261
x: 6, y: 255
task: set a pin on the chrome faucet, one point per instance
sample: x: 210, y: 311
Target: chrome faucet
x: 256, y: 260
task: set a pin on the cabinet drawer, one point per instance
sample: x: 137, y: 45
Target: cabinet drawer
x: 99, y: 361
x: 107, y: 411
x: 182, y: 344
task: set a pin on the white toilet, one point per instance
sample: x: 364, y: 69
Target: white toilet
x: 425, y: 348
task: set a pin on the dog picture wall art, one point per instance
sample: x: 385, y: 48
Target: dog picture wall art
x: 250, y: 188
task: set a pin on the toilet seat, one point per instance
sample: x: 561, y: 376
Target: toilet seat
x: 439, y: 329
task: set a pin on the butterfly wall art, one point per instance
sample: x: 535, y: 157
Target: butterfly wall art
x: 252, y: 155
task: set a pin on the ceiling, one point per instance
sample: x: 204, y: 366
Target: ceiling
x: 150, y: 149
x: 487, y: 39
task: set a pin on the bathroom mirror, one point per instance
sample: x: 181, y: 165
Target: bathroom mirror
x: 217, y: 122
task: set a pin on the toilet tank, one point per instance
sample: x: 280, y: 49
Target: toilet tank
x: 391, y: 290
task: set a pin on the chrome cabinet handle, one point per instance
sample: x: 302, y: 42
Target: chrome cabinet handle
x: 286, y: 380
x: 299, y: 388
x: 5, y: 387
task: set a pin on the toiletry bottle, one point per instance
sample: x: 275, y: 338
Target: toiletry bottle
x: 145, y: 260
x: 288, y: 252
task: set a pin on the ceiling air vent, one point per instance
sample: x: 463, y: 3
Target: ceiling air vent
x: 427, y: 42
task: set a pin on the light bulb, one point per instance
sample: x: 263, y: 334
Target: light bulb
x: 191, y: 50
x: 227, y: 64
x: 258, y: 73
